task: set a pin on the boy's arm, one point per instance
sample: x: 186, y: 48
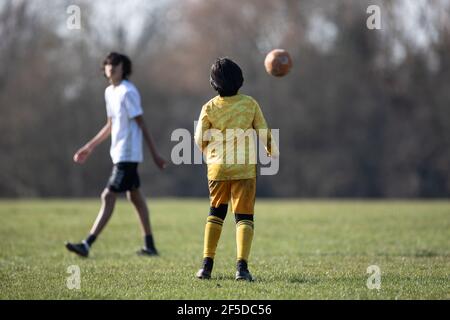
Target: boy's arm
x: 264, y: 133
x: 203, y: 124
x: 83, y: 153
x: 159, y: 161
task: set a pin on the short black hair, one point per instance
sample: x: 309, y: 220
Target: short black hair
x: 226, y: 77
x: 115, y: 59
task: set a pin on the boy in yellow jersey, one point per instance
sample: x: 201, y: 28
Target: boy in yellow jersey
x: 230, y: 178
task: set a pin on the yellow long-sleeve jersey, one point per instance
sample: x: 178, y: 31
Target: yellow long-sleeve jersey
x: 225, y: 134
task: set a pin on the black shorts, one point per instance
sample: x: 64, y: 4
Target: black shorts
x: 124, y: 177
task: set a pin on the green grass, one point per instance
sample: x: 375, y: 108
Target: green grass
x: 301, y: 250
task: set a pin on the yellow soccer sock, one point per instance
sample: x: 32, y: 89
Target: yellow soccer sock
x: 213, y: 229
x: 244, y: 237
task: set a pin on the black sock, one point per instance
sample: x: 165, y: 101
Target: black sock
x: 242, y: 265
x: 149, y: 242
x: 208, y: 263
x: 90, y: 239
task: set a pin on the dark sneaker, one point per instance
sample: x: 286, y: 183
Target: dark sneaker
x: 205, y: 272
x: 244, y: 275
x: 147, y: 252
x: 242, y: 272
x: 80, y: 249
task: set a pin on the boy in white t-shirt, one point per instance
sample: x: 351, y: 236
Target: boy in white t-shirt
x: 127, y: 128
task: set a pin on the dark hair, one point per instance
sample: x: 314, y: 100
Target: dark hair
x: 226, y: 77
x: 115, y: 59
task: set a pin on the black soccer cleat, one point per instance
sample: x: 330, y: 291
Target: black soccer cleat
x: 244, y: 275
x: 242, y: 272
x: 80, y: 249
x: 148, y: 252
x: 205, y: 272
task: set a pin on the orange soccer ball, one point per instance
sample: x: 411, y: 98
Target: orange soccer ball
x: 278, y: 62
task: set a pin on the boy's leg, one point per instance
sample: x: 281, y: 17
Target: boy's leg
x: 108, y: 202
x: 122, y: 175
x: 243, y: 200
x: 244, y: 238
x: 138, y: 200
x: 219, y: 196
x: 244, y: 235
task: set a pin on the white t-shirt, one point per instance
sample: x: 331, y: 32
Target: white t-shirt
x: 123, y: 104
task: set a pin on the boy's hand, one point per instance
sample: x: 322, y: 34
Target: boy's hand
x: 160, y: 162
x: 82, y: 154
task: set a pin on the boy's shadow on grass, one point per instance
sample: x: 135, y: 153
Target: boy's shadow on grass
x: 224, y: 276
x: 421, y: 253
x: 295, y: 278
x: 301, y: 279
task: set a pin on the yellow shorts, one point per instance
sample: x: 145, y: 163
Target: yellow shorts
x: 241, y: 192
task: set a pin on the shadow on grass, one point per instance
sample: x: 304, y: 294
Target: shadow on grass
x: 425, y: 254
x: 302, y: 280
x: 224, y: 276
x: 417, y: 254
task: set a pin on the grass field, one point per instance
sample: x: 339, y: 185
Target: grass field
x: 301, y: 250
